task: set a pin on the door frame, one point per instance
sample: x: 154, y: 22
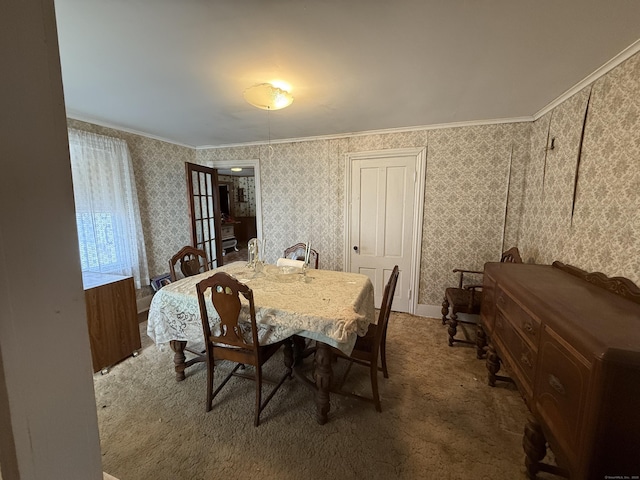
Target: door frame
x: 420, y: 154
x: 255, y: 163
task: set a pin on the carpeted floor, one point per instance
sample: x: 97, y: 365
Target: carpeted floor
x: 440, y: 420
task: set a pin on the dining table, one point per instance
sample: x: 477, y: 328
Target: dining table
x: 330, y: 307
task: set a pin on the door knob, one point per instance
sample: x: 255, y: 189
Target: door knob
x: 355, y: 247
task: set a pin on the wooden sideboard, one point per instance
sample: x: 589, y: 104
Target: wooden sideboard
x: 570, y: 341
x: 112, y: 318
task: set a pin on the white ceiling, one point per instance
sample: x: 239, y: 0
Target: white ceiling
x: 176, y: 69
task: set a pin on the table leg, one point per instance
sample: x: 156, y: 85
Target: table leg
x: 289, y: 356
x: 298, y: 350
x: 179, y: 358
x: 323, y: 375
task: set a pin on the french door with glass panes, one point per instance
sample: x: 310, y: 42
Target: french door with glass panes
x: 204, y: 208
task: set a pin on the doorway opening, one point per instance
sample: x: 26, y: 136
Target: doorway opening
x: 239, y: 193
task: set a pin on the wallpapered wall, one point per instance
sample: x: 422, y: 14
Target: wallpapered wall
x: 476, y: 177
x: 246, y: 208
x: 467, y: 179
x: 302, y: 190
x: 604, y: 234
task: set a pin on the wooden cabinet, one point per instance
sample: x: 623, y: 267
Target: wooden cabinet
x: 228, y: 237
x: 245, y: 229
x: 570, y: 340
x: 112, y: 318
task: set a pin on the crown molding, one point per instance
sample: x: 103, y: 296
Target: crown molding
x: 595, y: 75
x: 439, y: 126
x: 81, y: 118
x: 627, y: 53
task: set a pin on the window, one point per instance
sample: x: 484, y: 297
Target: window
x: 107, y: 214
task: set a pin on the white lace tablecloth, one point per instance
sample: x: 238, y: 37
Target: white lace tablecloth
x: 331, y: 307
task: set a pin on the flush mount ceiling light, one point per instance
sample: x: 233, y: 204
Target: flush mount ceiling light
x: 268, y: 96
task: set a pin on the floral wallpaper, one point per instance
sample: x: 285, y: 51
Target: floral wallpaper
x: 465, y: 203
x: 246, y: 207
x: 604, y: 232
x: 302, y: 191
x: 488, y: 188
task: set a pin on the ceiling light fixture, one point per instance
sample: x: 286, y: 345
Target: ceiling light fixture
x: 268, y: 97
x: 236, y: 169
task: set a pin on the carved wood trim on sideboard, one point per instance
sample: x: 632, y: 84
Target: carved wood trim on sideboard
x: 619, y: 285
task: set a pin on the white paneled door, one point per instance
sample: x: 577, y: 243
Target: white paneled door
x: 385, y: 212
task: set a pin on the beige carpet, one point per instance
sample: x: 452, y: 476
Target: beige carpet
x: 440, y: 420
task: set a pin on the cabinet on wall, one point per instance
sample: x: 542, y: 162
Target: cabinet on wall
x: 570, y: 340
x: 112, y: 318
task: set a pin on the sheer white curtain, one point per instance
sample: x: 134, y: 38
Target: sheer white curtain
x: 107, y: 212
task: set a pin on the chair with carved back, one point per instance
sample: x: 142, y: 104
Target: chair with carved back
x: 192, y: 261
x: 234, y: 339
x: 371, y: 346
x: 297, y: 252
x: 189, y: 261
x: 467, y: 299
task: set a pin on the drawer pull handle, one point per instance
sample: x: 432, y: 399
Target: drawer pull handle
x: 525, y: 359
x: 528, y: 327
x: 556, y: 384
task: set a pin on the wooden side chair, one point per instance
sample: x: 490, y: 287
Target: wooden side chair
x: 297, y: 252
x: 234, y: 342
x: 192, y: 261
x: 368, y: 348
x: 468, y: 299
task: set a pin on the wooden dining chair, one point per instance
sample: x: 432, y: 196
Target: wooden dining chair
x: 297, y: 252
x: 192, y: 261
x: 371, y: 346
x: 235, y: 340
x: 468, y: 299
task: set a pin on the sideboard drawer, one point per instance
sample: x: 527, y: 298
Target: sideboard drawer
x: 525, y: 323
x: 516, y: 352
x: 562, y: 389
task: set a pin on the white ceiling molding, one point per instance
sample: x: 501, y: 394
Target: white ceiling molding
x: 594, y: 76
x: 85, y: 119
x: 598, y: 73
x: 377, y: 132
x: 178, y: 70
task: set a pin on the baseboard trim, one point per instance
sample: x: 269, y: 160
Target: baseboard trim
x: 430, y: 311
